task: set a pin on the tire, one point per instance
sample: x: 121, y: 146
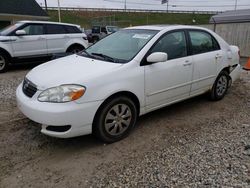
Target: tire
x: 75, y: 49
x: 95, y: 39
x: 220, y: 86
x: 115, y: 119
x: 4, y: 62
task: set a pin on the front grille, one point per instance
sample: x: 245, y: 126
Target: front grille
x: 29, y: 89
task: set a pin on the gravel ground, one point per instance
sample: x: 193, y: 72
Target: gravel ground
x: 195, y: 143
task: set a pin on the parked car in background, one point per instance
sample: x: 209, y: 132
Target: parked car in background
x: 32, y: 40
x: 104, y: 89
x: 99, y: 32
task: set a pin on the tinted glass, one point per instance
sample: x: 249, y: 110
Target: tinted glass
x: 124, y: 44
x: 72, y: 29
x: 34, y: 29
x: 202, y: 42
x: 96, y: 29
x: 55, y: 29
x: 9, y: 29
x: 174, y: 44
x: 103, y: 29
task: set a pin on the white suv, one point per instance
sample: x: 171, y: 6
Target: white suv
x: 28, y: 40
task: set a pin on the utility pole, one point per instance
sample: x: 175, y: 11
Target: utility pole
x: 46, y: 7
x: 235, y: 7
x: 125, y: 5
x: 164, y: 2
x: 59, y: 11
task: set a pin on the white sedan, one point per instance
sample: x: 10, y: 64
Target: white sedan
x: 104, y: 89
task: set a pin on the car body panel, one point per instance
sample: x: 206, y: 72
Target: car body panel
x: 154, y: 85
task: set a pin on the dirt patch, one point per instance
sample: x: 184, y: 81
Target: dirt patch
x: 195, y: 143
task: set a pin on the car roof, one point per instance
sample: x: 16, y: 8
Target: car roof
x: 166, y: 27
x: 47, y: 22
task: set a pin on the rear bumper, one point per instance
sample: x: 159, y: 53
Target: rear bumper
x: 235, y: 74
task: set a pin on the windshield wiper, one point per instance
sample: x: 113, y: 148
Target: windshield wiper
x: 106, y: 57
x: 87, y: 54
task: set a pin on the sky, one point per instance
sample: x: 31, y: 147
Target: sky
x: 190, y: 5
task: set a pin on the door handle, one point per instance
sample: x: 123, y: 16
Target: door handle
x: 218, y: 56
x: 187, y: 63
x: 41, y: 38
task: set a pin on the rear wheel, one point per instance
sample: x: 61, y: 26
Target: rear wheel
x: 4, y: 62
x: 220, y: 86
x: 115, y: 119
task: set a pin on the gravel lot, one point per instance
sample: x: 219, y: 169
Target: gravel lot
x: 195, y: 143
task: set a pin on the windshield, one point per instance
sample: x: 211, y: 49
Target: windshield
x: 121, y: 46
x: 7, y: 30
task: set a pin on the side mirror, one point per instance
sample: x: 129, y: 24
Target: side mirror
x: 20, y: 32
x: 157, y: 57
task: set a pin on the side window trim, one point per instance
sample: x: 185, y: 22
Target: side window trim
x: 214, y: 41
x: 144, y: 61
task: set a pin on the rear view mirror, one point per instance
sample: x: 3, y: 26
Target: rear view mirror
x: 20, y: 32
x: 157, y: 57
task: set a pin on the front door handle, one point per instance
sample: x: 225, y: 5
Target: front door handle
x: 41, y: 38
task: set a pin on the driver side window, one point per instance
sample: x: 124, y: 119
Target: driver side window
x: 174, y: 44
x: 34, y: 29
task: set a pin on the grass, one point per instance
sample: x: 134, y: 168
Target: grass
x: 125, y: 19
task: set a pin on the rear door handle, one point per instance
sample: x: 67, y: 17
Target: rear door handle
x: 187, y: 63
x: 218, y: 56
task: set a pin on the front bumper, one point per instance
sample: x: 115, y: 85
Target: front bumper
x: 78, y: 116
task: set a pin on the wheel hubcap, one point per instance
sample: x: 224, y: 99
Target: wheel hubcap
x: 118, y: 119
x: 221, y: 85
x: 2, y: 63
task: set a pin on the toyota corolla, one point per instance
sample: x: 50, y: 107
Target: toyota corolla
x: 104, y: 89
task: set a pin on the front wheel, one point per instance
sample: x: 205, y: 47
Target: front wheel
x: 220, y: 86
x: 115, y: 119
x: 75, y: 49
x: 4, y: 62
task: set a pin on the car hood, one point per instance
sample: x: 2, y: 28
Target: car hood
x: 72, y: 69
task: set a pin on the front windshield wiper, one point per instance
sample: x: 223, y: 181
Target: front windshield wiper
x: 106, y: 57
x: 85, y: 52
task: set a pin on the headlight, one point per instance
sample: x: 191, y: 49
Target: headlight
x: 63, y: 93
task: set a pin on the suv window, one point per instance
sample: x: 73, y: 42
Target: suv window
x: 34, y: 29
x: 55, y: 29
x: 174, y: 44
x: 202, y: 42
x: 96, y: 29
x: 72, y: 29
x: 103, y: 29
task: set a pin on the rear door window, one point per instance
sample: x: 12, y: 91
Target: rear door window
x: 55, y: 29
x: 202, y: 42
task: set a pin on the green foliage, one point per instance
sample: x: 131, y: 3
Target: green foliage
x: 125, y: 19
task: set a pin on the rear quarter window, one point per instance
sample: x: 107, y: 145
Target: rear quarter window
x: 55, y: 29
x: 72, y: 29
